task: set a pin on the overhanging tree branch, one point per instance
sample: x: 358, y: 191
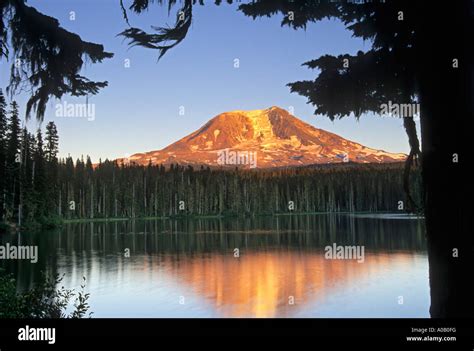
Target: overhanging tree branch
x: 45, y: 56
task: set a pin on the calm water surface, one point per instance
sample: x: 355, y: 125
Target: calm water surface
x: 187, y: 268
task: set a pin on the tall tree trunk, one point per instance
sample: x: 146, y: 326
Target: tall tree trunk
x: 446, y: 128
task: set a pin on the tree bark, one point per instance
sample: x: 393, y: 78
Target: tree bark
x: 446, y: 128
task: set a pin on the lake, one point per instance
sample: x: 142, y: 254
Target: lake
x: 275, y: 266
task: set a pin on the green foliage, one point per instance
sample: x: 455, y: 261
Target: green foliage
x: 44, y: 300
x: 52, y: 140
x: 28, y: 172
x: 46, y: 59
x: 11, y: 189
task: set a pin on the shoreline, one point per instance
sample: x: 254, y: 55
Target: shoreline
x: 11, y: 227
x: 188, y: 217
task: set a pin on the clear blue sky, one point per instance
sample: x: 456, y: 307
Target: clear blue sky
x: 139, y: 110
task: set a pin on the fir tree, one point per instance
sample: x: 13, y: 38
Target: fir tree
x: 3, y: 151
x: 13, y: 164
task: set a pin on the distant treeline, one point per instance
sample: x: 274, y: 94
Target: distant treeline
x: 113, y: 190
x: 36, y: 187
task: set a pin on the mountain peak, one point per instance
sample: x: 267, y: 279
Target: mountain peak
x: 277, y: 108
x: 254, y: 112
x: 273, y: 136
x: 259, y: 112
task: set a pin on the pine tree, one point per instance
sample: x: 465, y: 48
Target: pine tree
x: 39, y: 180
x: 27, y: 205
x: 51, y: 158
x: 51, y: 142
x: 13, y: 158
x: 3, y: 150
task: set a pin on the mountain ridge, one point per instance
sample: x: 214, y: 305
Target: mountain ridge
x: 272, y: 137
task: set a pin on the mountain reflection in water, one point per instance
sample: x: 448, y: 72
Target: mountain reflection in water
x: 187, y: 268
